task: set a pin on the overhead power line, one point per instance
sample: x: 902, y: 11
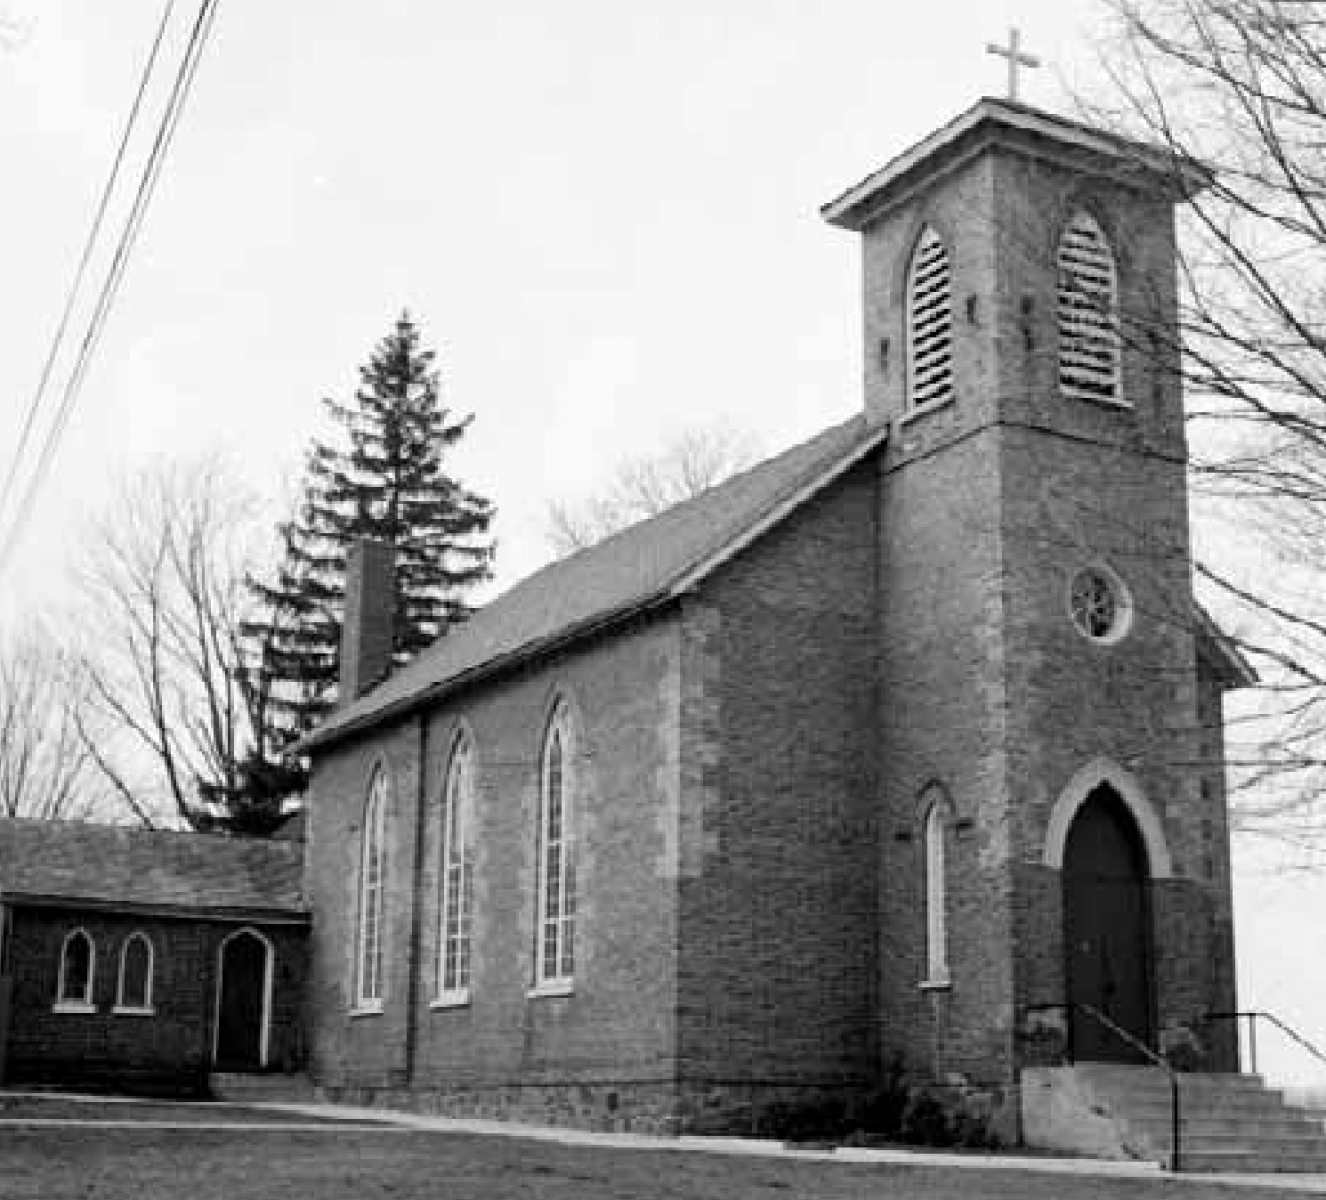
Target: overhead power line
x: 71, y: 298
x: 110, y: 287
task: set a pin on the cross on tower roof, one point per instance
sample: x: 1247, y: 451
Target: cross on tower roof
x: 1016, y: 58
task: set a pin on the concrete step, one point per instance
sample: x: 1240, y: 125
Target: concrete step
x: 264, y: 1088
x: 1229, y: 1122
x: 1239, y: 1160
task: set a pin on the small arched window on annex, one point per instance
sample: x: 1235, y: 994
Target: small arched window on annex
x: 370, y: 909
x: 554, y: 950
x: 456, y: 873
x: 1087, y: 779
x: 78, y: 968
x: 936, y: 811
x: 133, y: 987
x: 929, y: 323
x: 1087, y: 311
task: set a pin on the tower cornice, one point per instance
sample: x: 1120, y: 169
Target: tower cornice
x: 1004, y: 124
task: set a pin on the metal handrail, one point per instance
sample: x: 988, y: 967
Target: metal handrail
x: 1252, y: 1016
x: 1175, y: 1110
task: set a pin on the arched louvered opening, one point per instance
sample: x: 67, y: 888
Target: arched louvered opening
x: 1088, y: 313
x: 929, y: 323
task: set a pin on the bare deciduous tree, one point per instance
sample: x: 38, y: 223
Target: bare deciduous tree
x: 45, y: 769
x: 163, y: 593
x: 1240, y: 87
x: 640, y: 487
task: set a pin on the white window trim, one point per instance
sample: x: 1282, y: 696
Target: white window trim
x: 560, y: 983
x: 456, y: 824
x: 373, y: 836
x: 937, y: 974
x: 146, y: 1008
x: 76, y: 1004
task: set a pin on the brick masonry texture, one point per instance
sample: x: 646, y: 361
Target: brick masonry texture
x: 757, y: 761
x: 170, y: 1051
x: 619, y: 1023
x: 778, y: 931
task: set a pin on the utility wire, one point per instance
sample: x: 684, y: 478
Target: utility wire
x: 110, y: 287
x: 34, y: 405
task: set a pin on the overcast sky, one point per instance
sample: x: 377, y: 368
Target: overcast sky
x: 603, y: 213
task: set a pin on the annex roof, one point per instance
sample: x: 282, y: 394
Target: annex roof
x: 113, y: 866
x: 646, y: 565
x: 1023, y: 126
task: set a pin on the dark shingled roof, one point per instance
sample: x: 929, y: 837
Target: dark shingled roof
x: 646, y: 564
x: 110, y: 865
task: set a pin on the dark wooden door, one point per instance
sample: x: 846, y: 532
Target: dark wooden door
x: 241, y: 999
x: 1107, y: 928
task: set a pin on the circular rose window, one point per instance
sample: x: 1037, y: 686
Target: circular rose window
x: 1101, y: 607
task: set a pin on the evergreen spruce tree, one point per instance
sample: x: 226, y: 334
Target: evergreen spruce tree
x: 384, y: 478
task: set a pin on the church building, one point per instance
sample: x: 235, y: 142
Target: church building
x: 902, y: 747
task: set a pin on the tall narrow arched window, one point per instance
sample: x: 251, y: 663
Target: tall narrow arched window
x: 936, y: 922
x: 133, y: 992
x: 369, y: 932
x: 1088, y: 313
x: 456, y: 875
x: 929, y: 323
x: 555, y: 949
x: 78, y: 965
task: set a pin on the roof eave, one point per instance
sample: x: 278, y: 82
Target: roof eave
x: 268, y: 914
x: 661, y: 598
x: 1233, y: 667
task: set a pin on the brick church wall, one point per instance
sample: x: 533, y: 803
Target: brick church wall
x: 778, y: 937
x: 603, y: 1055
x: 942, y: 734
x: 169, y: 1051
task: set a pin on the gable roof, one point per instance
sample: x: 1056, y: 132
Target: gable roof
x: 644, y: 566
x: 111, y: 866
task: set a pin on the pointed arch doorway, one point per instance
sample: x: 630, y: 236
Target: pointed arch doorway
x: 1107, y: 927
x: 243, y: 1002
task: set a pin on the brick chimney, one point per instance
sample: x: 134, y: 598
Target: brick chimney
x: 370, y: 601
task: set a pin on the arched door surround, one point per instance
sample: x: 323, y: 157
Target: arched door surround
x: 243, y: 1002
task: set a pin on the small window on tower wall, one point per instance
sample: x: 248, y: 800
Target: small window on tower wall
x: 1088, y: 313
x: 936, y: 900
x: 929, y: 323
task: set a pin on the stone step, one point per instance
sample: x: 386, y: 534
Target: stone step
x: 1225, y: 1127
x: 1239, y: 1160
x: 265, y: 1088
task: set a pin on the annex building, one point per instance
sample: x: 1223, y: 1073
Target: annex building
x: 903, y: 746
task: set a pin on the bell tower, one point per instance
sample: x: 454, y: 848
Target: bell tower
x: 1040, y: 644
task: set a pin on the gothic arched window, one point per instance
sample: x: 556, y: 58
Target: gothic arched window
x: 929, y: 323
x: 555, y: 951
x: 369, y: 932
x: 78, y: 964
x: 133, y: 993
x: 936, y: 890
x: 1088, y: 313
x: 456, y: 875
